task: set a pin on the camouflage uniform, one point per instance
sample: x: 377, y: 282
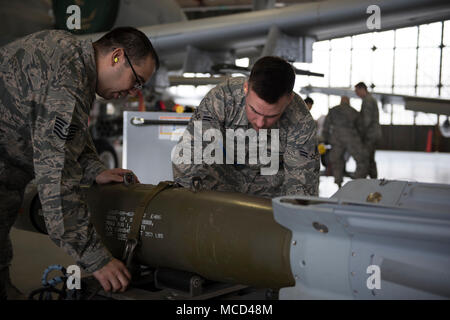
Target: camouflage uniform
x: 340, y: 131
x: 370, y: 130
x: 298, y: 172
x: 47, y: 86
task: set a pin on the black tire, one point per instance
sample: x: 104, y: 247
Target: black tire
x: 106, y: 153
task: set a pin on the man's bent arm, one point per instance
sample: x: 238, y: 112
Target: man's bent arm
x: 59, y: 138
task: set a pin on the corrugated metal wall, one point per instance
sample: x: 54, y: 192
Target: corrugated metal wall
x: 412, y: 138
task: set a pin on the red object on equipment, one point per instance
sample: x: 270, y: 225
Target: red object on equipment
x: 429, y: 140
x: 141, y: 107
x: 162, y: 105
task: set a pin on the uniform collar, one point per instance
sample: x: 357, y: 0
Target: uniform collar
x: 88, y: 56
x: 242, y: 120
x: 368, y: 96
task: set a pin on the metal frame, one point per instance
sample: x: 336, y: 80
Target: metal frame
x: 394, y: 51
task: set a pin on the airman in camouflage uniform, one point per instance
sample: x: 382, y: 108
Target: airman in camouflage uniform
x: 231, y: 105
x: 369, y: 125
x: 48, y: 82
x: 341, y: 132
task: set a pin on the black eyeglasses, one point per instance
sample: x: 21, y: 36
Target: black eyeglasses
x: 138, y: 84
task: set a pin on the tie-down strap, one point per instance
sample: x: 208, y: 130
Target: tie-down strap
x: 133, y: 235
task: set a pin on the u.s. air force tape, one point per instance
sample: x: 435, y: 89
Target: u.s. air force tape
x: 64, y: 130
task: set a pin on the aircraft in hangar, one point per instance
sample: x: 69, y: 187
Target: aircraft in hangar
x: 208, y: 45
x: 204, y: 45
x: 212, y: 45
x: 320, y: 248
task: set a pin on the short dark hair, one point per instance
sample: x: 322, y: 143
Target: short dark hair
x: 271, y: 78
x: 361, y: 85
x: 309, y: 100
x: 135, y: 43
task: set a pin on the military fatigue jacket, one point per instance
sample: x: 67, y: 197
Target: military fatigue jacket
x: 297, y: 171
x: 369, y: 122
x: 47, y: 86
x: 341, y: 124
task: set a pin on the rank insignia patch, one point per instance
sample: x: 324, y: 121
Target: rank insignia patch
x: 63, y: 130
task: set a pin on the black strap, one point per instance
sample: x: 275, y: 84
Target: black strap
x: 133, y: 235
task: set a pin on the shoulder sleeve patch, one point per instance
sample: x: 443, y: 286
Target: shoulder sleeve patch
x: 64, y: 130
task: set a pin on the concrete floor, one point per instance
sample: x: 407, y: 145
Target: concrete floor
x: 400, y: 165
x: 34, y: 252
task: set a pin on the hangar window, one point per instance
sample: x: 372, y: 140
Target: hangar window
x: 244, y: 62
x: 401, y: 116
x: 320, y: 64
x: 411, y: 61
x: 406, y: 37
x: 362, y: 64
x: 384, y: 39
x: 445, y: 92
x: 340, y: 62
x: 430, y: 35
x: 428, y: 67
x: 383, y: 69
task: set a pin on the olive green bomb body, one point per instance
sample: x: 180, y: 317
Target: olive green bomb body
x: 226, y: 237
x: 221, y: 236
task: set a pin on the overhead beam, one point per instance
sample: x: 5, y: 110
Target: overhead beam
x: 294, y: 49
